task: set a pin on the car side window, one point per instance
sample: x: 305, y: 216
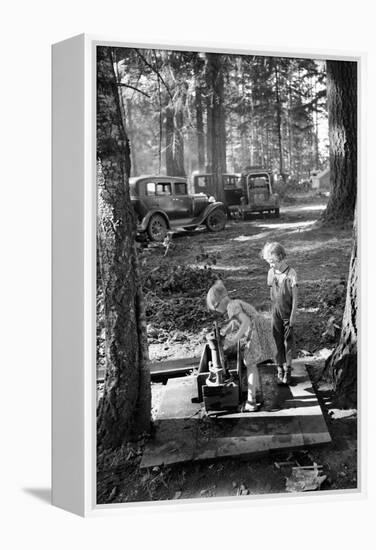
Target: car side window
x: 163, y: 189
x: 150, y: 188
x: 180, y: 188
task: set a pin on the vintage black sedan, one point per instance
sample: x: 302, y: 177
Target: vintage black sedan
x: 163, y: 203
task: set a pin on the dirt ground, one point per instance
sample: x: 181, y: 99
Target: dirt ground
x: 175, y: 287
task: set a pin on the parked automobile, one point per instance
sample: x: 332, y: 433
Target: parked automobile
x: 163, y: 203
x: 258, y: 194
x: 249, y: 191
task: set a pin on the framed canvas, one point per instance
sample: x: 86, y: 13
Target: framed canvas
x: 205, y: 275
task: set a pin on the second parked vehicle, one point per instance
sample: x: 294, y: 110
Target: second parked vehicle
x: 244, y: 193
x: 258, y: 194
x: 162, y: 203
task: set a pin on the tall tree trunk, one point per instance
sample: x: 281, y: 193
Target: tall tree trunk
x: 131, y: 133
x: 209, y: 131
x: 175, y: 119
x: 267, y: 144
x: 169, y: 133
x: 200, y: 126
x: 290, y: 126
x: 214, y: 72
x: 341, y: 365
x: 179, y: 138
x: 124, y: 408
x: 279, y: 121
x: 316, y: 125
x: 174, y: 141
x: 342, y: 111
x: 245, y: 146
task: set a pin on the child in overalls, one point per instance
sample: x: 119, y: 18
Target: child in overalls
x: 283, y: 282
x: 252, y: 328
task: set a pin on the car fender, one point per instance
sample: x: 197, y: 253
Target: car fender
x: 145, y: 220
x: 209, y: 209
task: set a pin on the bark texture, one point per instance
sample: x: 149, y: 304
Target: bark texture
x: 175, y: 119
x: 341, y: 366
x: 124, y: 409
x: 216, y: 122
x: 279, y: 122
x: 342, y: 111
x: 174, y: 141
x: 200, y: 128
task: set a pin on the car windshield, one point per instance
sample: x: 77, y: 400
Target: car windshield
x: 258, y: 181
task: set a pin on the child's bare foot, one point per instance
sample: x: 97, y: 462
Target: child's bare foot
x: 250, y: 406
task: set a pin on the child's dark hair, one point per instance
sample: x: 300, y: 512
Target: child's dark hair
x: 273, y: 249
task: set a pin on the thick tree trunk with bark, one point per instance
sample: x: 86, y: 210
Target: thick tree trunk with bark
x: 124, y: 409
x: 209, y: 131
x: 174, y: 142
x: 279, y: 122
x: 342, y: 110
x: 200, y: 128
x: 131, y: 132
x: 216, y: 121
x: 341, y: 366
x: 175, y: 119
x: 169, y: 132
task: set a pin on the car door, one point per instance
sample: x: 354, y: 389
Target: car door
x: 150, y: 194
x: 183, y: 203
x: 164, y: 197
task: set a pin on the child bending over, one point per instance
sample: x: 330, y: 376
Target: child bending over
x: 249, y: 326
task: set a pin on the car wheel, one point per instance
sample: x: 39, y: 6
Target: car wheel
x: 157, y: 228
x: 276, y: 213
x: 216, y: 220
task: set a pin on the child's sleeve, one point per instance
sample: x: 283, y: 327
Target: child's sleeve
x: 293, y: 277
x: 270, y: 277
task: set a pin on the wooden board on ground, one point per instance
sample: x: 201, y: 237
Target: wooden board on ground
x: 290, y: 418
x: 163, y: 369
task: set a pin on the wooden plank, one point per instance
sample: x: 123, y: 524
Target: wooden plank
x: 174, y: 441
x: 165, y: 368
x: 244, y: 446
x: 174, y: 365
x: 292, y: 418
x: 177, y: 399
x: 311, y: 419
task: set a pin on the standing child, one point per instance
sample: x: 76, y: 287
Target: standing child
x: 252, y: 328
x: 282, y: 280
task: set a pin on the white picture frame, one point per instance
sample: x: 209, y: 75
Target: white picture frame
x: 74, y: 267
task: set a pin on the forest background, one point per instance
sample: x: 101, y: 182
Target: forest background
x: 254, y: 110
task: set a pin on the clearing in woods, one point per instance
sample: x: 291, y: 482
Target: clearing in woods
x: 175, y: 287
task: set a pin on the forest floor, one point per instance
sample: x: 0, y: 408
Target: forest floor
x: 175, y: 287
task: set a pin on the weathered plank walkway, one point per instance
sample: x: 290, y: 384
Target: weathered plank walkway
x: 160, y: 370
x: 290, y: 418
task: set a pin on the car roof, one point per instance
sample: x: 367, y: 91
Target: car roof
x: 136, y: 179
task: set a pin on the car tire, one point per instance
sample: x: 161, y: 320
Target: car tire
x: 276, y: 213
x: 157, y: 228
x: 216, y: 220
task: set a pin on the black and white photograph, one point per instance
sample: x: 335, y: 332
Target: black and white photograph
x: 226, y: 275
